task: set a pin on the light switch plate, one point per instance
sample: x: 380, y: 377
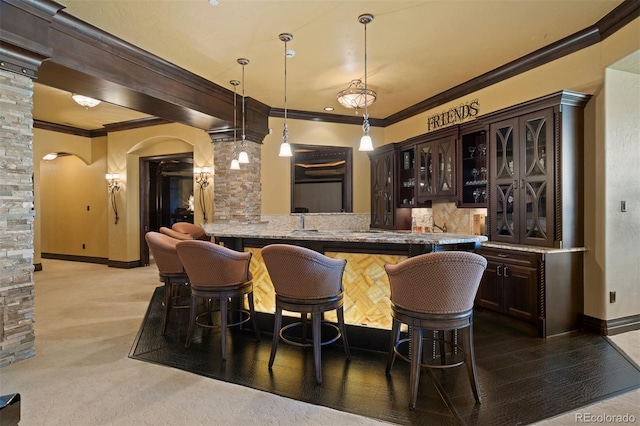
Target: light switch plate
x: 623, y: 206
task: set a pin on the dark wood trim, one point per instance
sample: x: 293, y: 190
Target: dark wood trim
x: 613, y: 326
x: 113, y: 127
x: 124, y: 265
x: 324, y: 117
x: 75, y: 258
x: 616, y: 19
x: 61, y: 128
x: 135, y: 124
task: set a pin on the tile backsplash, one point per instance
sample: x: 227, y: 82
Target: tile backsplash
x: 458, y: 221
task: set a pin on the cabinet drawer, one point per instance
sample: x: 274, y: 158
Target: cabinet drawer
x: 510, y: 256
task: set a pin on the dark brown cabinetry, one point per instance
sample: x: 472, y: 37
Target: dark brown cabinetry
x: 544, y: 289
x: 535, y: 171
x: 535, y: 190
x: 510, y: 284
x: 427, y: 169
x: 384, y: 177
x: 473, y: 173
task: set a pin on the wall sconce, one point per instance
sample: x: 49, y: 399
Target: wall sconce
x: 113, y: 183
x: 202, y: 179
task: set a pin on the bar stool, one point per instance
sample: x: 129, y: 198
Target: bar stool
x: 216, y: 272
x: 435, y: 292
x: 307, y: 282
x: 172, y: 273
x: 196, y: 232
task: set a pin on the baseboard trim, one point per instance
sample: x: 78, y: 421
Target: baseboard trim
x: 123, y: 265
x: 613, y: 326
x: 74, y: 258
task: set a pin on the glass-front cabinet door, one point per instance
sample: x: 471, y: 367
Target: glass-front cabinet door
x: 426, y: 174
x: 536, y: 131
x: 436, y: 169
x: 522, y: 176
x: 504, y: 168
x: 444, y: 183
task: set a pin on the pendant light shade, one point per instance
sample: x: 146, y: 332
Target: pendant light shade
x: 243, y: 157
x: 366, y: 144
x: 285, y: 148
x: 234, y: 162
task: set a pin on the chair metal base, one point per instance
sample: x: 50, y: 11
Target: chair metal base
x: 172, y: 283
x: 315, y: 307
x: 222, y: 295
x: 420, y: 322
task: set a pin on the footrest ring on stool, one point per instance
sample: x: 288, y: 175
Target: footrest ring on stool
x: 430, y: 365
x: 245, y: 316
x: 308, y: 345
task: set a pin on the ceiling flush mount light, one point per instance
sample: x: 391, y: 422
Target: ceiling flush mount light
x: 85, y: 101
x: 365, y: 142
x: 285, y: 148
x: 235, y: 165
x: 356, y: 96
x: 243, y: 157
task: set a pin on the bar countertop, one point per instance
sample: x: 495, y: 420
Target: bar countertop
x: 369, y: 236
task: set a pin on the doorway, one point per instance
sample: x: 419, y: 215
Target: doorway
x: 166, y: 194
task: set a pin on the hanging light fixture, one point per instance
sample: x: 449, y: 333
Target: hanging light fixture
x: 356, y: 96
x: 85, y: 101
x: 243, y: 157
x: 235, y: 164
x: 365, y: 142
x: 285, y: 148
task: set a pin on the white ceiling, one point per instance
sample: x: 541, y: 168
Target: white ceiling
x: 416, y: 49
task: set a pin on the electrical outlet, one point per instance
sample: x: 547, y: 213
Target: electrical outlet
x: 612, y: 297
x: 623, y: 206
x: 88, y: 208
x: 83, y: 247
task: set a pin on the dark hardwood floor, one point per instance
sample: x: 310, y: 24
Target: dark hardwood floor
x: 523, y: 378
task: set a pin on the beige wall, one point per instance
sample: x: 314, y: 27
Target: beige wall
x: 63, y: 188
x: 622, y: 177
x: 276, y: 171
x: 125, y: 149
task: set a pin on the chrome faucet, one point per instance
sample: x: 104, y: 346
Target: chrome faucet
x: 443, y: 228
x: 301, y: 220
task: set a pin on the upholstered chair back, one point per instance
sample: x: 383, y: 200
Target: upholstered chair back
x: 196, y: 232
x: 212, y: 265
x: 163, y: 250
x: 301, y: 273
x: 437, y: 283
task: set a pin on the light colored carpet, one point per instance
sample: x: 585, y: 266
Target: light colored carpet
x: 87, y: 317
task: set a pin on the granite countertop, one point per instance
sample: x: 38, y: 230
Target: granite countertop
x: 530, y: 249
x: 370, y: 236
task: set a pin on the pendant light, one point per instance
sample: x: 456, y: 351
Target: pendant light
x: 243, y: 157
x: 235, y: 164
x: 365, y: 142
x: 285, y: 148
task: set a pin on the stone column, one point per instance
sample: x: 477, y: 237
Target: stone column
x: 236, y: 193
x: 16, y: 218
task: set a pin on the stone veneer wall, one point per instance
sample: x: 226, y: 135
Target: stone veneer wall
x: 16, y: 219
x: 236, y: 193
